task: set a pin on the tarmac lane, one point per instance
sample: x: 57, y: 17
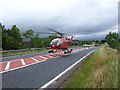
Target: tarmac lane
x: 38, y: 71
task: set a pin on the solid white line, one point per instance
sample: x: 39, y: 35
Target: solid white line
x: 43, y: 57
x: 54, y: 79
x: 23, y: 62
x: 7, y: 66
x: 34, y: 59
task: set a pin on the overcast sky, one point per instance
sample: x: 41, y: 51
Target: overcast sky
x: 85, y: 19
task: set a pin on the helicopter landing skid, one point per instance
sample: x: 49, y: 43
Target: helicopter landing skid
x: 68, y: 51
x: 52, y: 51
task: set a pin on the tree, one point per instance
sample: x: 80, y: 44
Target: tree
x: 103, y: 41
x: 15, y: 35
x: 11, y: 38
x: 113, y: 40
x: 14, y: 32
x: 6, y: 40
x: 37, y: 41
x: 28, y: 37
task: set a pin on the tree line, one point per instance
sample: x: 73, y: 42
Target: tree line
x: 113, y: 40
x: 12, y: 39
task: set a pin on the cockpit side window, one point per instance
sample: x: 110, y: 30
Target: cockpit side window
x: 55, y: 41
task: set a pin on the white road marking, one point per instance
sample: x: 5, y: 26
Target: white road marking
x: 49, y: 56
x: 18, y: 67
x: 8, y: 61
x: 56, y: 55
x: 34, y: 59
x: 61, y: 53
x: 23, y: 62
x: 54, y: 79
x: 43, y: 57
x: 43, y: 60
x: 7, y: 66
x: 52, y: 54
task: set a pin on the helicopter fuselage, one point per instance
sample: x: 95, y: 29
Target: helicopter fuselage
x: 59, y: 43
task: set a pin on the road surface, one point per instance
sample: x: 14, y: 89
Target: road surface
x: 36, y: 72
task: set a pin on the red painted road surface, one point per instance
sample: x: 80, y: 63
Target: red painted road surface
x: 20, y: 63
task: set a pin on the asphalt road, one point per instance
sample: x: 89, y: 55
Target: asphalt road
x: 37, y: 75
x: 22, y: 56
x: 25, y: 56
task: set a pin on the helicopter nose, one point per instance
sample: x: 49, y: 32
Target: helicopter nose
x: 53, y: 45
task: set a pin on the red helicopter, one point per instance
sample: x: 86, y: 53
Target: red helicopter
x: 60, y: 43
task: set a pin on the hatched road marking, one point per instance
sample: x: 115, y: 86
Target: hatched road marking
x: 8, y: 65
x: 43, y: 57
x: 49, y: 56
x: 34, y: 59
x: 15, y: 64
x: 23, y: 62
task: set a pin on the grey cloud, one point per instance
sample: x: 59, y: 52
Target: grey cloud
x: 77, y: 17
x: 92, y: 37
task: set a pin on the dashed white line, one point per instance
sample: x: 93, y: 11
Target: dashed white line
x: 34, y: 59
x: 7, y: 66
x: 23, y: 62
x: 43, y: 57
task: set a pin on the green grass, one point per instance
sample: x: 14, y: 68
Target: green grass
x: 99, y: 70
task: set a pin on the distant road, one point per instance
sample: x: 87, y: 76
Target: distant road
x: 23, y: 56
x: 36, y: 75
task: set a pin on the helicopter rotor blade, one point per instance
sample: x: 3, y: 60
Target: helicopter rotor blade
x: 44, y: 33
x: 56, y: 31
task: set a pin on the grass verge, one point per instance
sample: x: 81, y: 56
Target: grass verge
x: 99, y: 70
x: 21, y: 53
x: 7, y: 54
